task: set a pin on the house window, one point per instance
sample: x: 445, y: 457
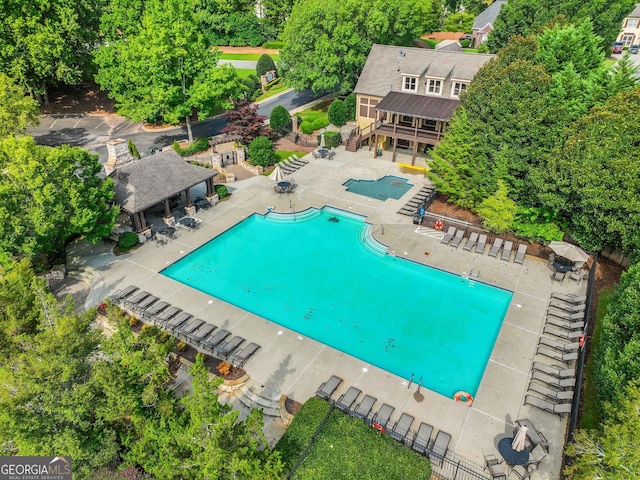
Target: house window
x: 632, y: 23
x: 627, y: 39
x: 434, y: 86
x: 410, y: 84
x: 367, y: 107
x: 457, y: 88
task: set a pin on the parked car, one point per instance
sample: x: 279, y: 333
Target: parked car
x: 634, y: 48
x: 617, y: 47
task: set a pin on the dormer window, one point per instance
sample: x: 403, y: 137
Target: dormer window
x: 458, y: 87
x: 409, y: 84
x: 434, y: 86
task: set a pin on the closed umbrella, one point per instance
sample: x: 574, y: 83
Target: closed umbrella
x: 569, y: 251
x: 277, y: 175
x: 322, y: 141
x: 520, y: 440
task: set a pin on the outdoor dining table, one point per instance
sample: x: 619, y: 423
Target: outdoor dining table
x: 282, y: 187
x: 510, y: 455
x: 562, y: 267
x: 188, y: 222
x: 323, y: 152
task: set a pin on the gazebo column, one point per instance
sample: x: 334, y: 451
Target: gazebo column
x: 168, y: 218
x: 395, y: 144
x: 190, y: 209
x: 137, y: 226
x: 141, y: 224
x: 212, y: 196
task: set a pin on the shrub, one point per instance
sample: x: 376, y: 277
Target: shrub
x: 249, y: 84
x: 146, y: 328
x: 482, y: 48
x: 133, y: 150
x: 222, y: 191
x: 465, y: 43
x: 163, y: 337
x: 337, y: 113
x: 261, y: 152
x: 306, y: 127
x: 273, y: 45
x: 350, y: 106
x: 320, y: 122
x: 224, y: 368
x: 199, y: 145
x: 133, y: 321
x: 280, y: 120
x: 201, y: 355
x: 265, y: 64
x: 181, y: 346
x: 536, y: 224
x: 498, y: 210
x: 126, y: 241
x: 331, y: 139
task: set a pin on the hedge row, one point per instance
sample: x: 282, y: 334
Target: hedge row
x: 200, y: 145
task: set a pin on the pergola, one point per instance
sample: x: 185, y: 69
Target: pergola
x: 143, y: 183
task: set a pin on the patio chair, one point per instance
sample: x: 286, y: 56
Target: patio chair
x: 495, y: 467
x: 566, y: 315
x: 482, y: 242
x: 201, y: 332
x: 569, y: 298
x: 522, y: 471
x: 560, y: 346
x: 154, y: 309
x: 144, y: 304
x: 346, y: 399
x: 402, y: 427
x: 567, y: 307
x: 363, y: 409
x: 473, y: 238
x: 184, y: 323
x: 565, y: 383
x: 210, y: 342
x: 537, y: 455
x: 558, y: 276
x: 135, y: 299
x: 440, y: 447
x: 239, y: 359
x: 327, y: 388
x: 562, y: 333
x: 506, y: 253
x: 167, y: 314
x: 449, y: 235
x: 455, y: 242
x: 562, y: 357
x: 522, y: 251
x: 120, y: 295
x: 383, y: 415
x: 578, y: 276
x: 549, y: 393
x: 566, y: 324
x: 554, y: 370
x: 495, y: 248
x: 557, y: 408
x: 423, y: 437
x: 225, y: 349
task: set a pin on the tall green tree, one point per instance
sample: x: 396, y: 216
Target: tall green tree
x: 17, y: 111
x: 166, y: 70
x: 50, y: 195
x: 458, y: 22
x: 327, y: 41
x: 277, y: 12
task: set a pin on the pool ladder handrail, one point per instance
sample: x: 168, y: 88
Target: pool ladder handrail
x: 411, y: 381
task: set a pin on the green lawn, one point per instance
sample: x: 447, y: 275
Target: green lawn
x: 283, y: 154
x: 609, y: 62
x: 247, y: 56
x: 274, y: 90
x: 245, y: 72
x: 346, y: 448
x: 590, y: 418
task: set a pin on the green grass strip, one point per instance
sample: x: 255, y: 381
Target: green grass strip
x: 283, y: 154
x: 272, y: 92
x: 247, y: 56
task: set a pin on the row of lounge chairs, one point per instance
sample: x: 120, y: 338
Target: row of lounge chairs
x: 455, y: 237
x: 194, y: 331
x: 381, y: 420
x: 291, y: 164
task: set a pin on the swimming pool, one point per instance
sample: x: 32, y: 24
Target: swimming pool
x: 344, y: 291
x: 388, y: 186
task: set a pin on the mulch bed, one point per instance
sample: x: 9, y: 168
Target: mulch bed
x: 292, y: 406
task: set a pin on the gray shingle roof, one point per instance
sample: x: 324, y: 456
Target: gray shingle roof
x: 636, y: 12
x: 488, y: 15
x: 385, y: 65
x: 421, y: 106
x: 143, y: 183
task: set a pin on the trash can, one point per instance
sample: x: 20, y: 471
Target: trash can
x: 379, y: 152
x: 416, y: 218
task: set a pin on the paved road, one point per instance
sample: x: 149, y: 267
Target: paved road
x: 94, y: 131
x: 242, y: 64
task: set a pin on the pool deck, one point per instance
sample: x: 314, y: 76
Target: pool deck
x: 296, y: 365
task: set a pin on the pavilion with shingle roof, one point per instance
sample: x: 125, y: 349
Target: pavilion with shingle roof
x: 141, y: 184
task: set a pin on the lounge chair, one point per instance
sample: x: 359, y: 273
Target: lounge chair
x: 144, y: 304
x: 557, y: 408
x: 495, y: 248
x: 423, y: 437
x: 522, y: 251
x: 135, y: 299
x: 363, y: 409
x: 440, y: 447
x: 537, y: 455
x: 554, y: 370
x: 482, y: 242
x: 120, y: 295
x: 549, y: 393
x: 556, y: 355
x: 562, y: 332
x: 346, y: 399
x: 402, y: 427
x: 569, y: 298
x: 506, y: 253
x: 535, y: 437
x: 566, y: 315
x: 210, y: 342
x: 566, y: 324
x: 225, y: 349
x: 327, y: 388
x: 167, y: 314
x: 455, y: 242
x: 449, y: 235
x: 184, y: 323
x: 567, y: 307
x: 522, y: 471
x: 473, y: 238
x: 201, y: 332
x: 495, y: 467
x: 154, y: 309
x: 240, y: 358
x: 569, y: 382
x: 383, y: 415
x: 560, y: 346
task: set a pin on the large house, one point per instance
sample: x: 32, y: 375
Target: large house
x: 483, y: 23
x: 630, y: 31
x: 405, y: 96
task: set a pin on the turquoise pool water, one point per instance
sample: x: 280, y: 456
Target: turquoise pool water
x: 383, y: 188
x: 323, y: 276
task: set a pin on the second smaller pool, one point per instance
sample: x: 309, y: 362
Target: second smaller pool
x: 383, y: 188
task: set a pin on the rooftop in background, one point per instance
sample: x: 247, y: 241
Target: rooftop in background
x: 488, y: 16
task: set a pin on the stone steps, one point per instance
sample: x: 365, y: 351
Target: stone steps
x: 253, y: 395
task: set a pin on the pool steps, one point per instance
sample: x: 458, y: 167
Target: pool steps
x: 370, y: 243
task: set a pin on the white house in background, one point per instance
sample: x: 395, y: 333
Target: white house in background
x: 483, y: 24
x: 630, y: 31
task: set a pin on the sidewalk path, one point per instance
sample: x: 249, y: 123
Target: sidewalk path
x: 242, y: 64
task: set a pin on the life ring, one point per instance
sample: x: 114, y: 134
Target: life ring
x: 581, y: 342
x: 378, y: 427
x: 438, y: 225
x: 463, y: 397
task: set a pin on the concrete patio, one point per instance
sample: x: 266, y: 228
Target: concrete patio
x: 295, y: 365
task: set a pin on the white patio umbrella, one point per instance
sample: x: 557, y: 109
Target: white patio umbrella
x: 277, y: 175
x: 322, y: 141
x: 569, y: 251
x: 520, y: 440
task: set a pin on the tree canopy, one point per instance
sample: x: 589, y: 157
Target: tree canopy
x: 17, y: 111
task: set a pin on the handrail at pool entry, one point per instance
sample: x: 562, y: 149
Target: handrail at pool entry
x: 291, y: 217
